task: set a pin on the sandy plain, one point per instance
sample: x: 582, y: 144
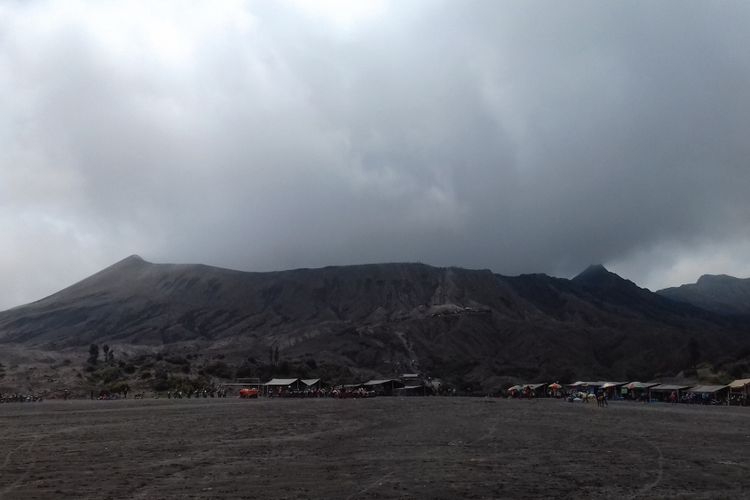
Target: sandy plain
x: 433, y: 447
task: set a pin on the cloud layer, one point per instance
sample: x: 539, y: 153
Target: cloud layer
x: 518, y: 137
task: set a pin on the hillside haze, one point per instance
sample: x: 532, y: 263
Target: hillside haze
x: 385, y: 319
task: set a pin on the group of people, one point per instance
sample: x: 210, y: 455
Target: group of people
x: 206, y: 392
x: 109, y: 396
x: 696, y: 399
x: 738, y: 399
x: 340, y: 392
x: 354, y: 392
x: 19, y: 398
x: 601, y: 398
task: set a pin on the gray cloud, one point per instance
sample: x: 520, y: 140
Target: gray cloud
x: 522, y: 138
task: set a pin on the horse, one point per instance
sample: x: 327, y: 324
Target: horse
x: 585, y: 396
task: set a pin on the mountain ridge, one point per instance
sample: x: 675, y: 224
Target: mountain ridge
x: 719, y: 293
x: 447, y: 321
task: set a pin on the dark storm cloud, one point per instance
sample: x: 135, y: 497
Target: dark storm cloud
x: 523, y: 137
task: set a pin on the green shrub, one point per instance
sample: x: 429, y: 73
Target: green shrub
x: 110, y: 374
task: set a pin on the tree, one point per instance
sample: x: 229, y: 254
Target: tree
x: 273, y: 355
x: 105, y: 348
x: 93, y: 354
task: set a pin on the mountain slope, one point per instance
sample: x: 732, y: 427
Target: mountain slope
x: 719, y: 293
x: 386, y: 318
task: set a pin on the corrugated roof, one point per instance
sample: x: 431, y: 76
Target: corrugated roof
x: 670, y: 387
x: 310, y: 381
x: 281, y: 381
x: 641, y: 385
x: 740, y: 383
x: 380, y: 382
x: 707, y: 388
x: 607, y: 385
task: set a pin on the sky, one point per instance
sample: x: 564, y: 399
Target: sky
x: 517, y: 136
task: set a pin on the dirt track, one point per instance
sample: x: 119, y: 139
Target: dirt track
x: 379, y: 448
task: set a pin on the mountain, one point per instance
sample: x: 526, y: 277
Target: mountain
x: 459, y: 324
x: 719, y: 293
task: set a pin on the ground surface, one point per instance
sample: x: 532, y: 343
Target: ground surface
x: 379, y: 448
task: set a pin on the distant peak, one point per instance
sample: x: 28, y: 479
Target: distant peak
x: 592, y: 271
x: 598, y: 275
x: 132, y: 260
x: 596, y: 268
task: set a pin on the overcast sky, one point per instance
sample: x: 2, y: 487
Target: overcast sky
x: 515, y: 136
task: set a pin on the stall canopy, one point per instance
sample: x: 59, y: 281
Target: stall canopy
x: 311, y: 382
x: 669, y: 387
x: 281, y: 382
x: 742, y: 383
x: 410, y: 390
x: 707, y: 389
x: 534, y: 387
x: 609, y: 385
x: 641, y: 385
x: 739, y: 390
x: 384, y: 387
x: 581, y: 383
x: 390, y: 381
